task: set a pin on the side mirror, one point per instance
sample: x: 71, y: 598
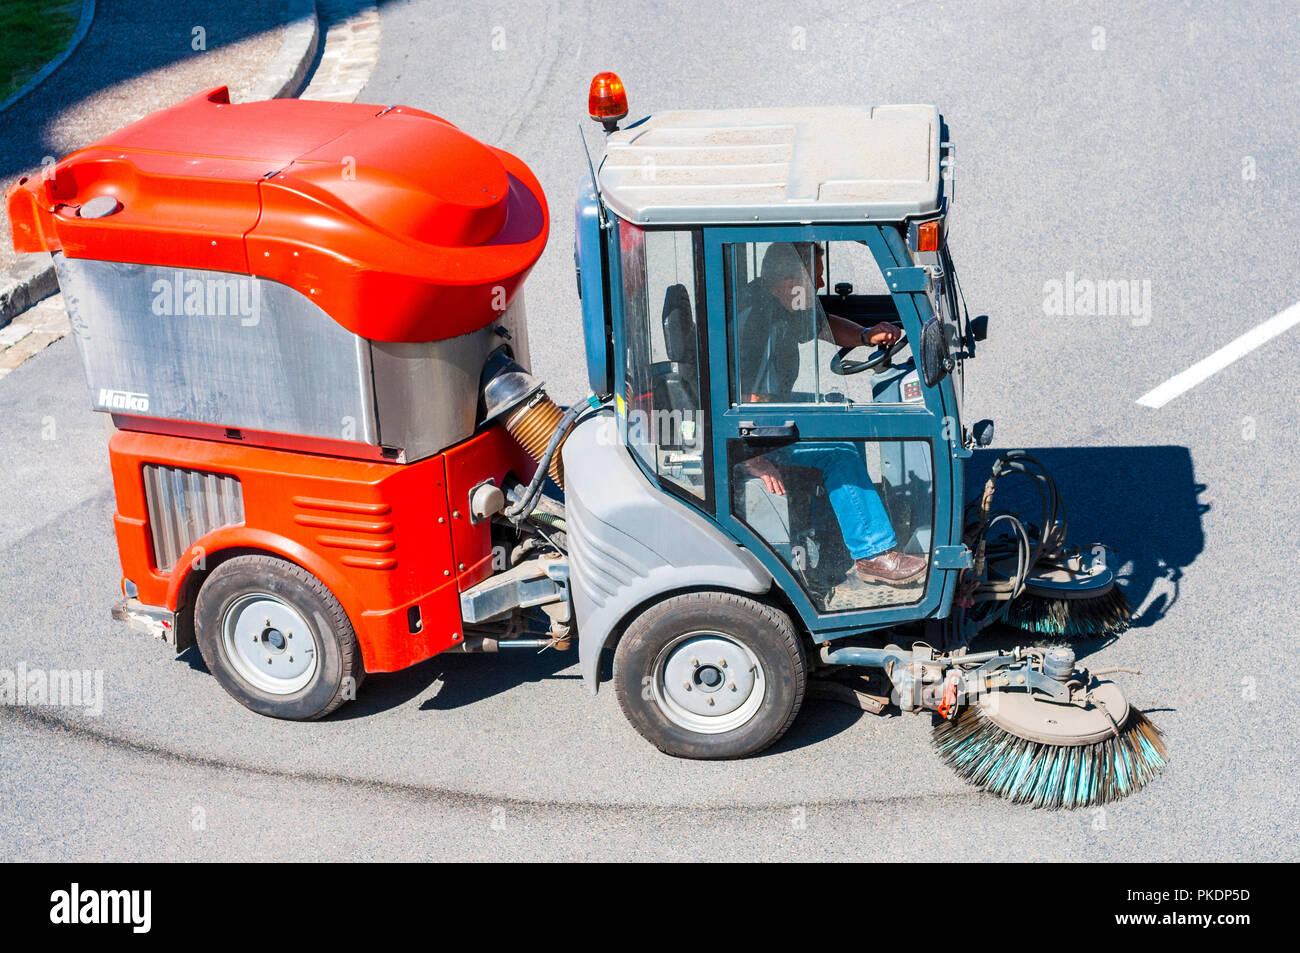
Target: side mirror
x: 936, y: 360
x: 982, y: 431
x: 843, y: 289
x: 978, y: 328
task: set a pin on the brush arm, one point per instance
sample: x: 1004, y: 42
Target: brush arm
x: 919, y: 674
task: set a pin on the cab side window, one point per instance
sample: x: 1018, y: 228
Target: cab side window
x: 663, y: 307
x: 772, y: 320
x: 781, y: 319
x: 855, y: 289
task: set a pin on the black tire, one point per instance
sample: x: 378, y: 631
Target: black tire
x: 649, y: 649
x: 337, y: 671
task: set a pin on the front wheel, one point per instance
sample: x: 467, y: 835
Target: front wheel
x: 710, y: 675
x: 277, y: 639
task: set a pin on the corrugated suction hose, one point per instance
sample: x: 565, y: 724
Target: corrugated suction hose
x: 532, y: 424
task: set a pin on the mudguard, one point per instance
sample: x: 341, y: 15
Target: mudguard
x: 630, y: 543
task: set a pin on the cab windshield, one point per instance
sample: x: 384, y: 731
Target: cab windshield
x: 951, y: 308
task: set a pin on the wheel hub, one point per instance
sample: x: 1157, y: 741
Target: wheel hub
x: 708, y: 678
x: 708, y: 682
x: 269, y: 644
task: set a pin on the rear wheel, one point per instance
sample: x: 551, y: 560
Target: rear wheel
x: 276, y: 638
x: 710, y: 675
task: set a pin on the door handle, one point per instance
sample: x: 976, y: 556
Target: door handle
x: 751, y: 432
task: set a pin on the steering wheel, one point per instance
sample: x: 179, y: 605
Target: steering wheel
x: 884, y: 354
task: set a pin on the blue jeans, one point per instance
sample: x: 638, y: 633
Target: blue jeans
x: 858, y: 509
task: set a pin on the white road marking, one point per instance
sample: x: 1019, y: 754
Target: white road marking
x: 1159, y: 396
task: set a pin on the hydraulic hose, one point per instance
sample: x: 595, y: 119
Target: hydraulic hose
x: 1027, y: 547
x: 519, y: 511
x: 1053, y: 523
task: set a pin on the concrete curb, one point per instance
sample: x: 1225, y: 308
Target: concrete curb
x: 33, y: 279
x: 288, y: 71
x: 349, y: 52
x: 83, y: 27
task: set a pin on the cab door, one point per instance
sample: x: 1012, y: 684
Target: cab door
x: 816, y: 468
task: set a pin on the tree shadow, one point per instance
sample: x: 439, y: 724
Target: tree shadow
x: 129, y: 40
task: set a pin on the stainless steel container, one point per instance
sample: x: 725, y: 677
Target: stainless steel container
x: 234, y: 351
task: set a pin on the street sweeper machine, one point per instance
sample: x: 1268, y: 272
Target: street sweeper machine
x: 331, y: 457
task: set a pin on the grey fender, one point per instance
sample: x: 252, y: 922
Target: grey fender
x: 630, y: 542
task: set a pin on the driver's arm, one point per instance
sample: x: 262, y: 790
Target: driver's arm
x: 848, y: 333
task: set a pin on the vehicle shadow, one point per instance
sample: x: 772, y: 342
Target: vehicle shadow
x: 819, y: 719
x: 1142, y: 502
x: 461, y: 680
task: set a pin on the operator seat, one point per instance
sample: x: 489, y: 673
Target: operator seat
x: 676, y: 380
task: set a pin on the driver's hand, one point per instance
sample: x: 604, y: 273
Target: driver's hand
x: 766, y: 470
x: 883, y: 334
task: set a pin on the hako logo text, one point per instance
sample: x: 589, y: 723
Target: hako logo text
x: 122, y: 400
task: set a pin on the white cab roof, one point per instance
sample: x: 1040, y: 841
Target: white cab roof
x: 815, y: 164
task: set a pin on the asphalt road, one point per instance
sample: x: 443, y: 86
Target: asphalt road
x: 1157, y: 150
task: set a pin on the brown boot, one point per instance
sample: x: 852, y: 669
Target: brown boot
x: 893, y: 568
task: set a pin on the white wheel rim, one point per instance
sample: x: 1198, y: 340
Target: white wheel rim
x: 269, y: 644
x: 708, y: 682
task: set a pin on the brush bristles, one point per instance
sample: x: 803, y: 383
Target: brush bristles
x: 1050, y: 776
x: 1107, y: 614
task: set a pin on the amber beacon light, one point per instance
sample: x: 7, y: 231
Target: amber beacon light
x: 607, y: 100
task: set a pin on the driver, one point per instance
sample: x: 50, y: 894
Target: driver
x: 780, y: 311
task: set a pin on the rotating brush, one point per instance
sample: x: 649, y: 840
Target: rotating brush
x: 1065, y: 603
x: 1049, y: 755
x: 1055, y: 590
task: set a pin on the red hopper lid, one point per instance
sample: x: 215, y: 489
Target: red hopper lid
x: 397, y: 224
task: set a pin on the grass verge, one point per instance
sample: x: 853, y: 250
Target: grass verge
x: 32, y: 32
